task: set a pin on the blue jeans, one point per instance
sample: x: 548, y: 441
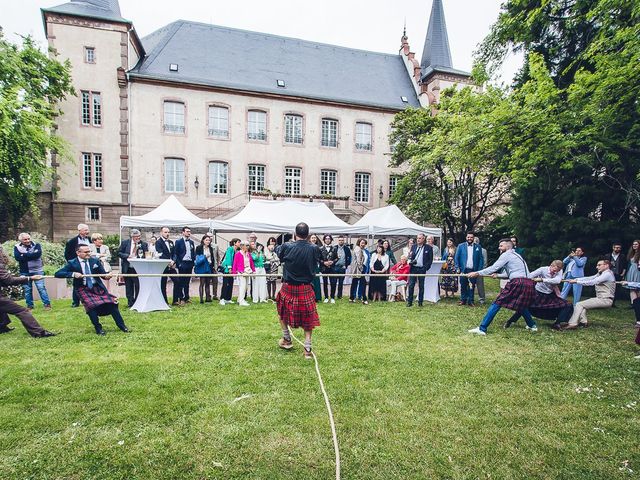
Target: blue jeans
x: 493, y: 311
x: 577, y: 290
x: 28, y: 290
x: 466, y: 292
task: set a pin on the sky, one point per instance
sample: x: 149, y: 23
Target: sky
x: 374, y: 25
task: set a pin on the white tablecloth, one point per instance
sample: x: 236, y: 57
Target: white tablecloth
x: 150, y: 295
x: 431, y: 288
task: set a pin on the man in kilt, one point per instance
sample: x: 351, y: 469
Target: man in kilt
x: 518, y: 294
x: 296, y: 300
x: 548, y: 304
x: 93, y: 294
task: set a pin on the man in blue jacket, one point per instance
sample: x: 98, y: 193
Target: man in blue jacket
x: 92, y: 293
x: 420, y: 259
x: 184, y: 256
x: 29, y: 257
x: 468, y: 258
x: 574, y: 268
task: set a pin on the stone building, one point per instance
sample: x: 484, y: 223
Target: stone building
x: 215, y: 115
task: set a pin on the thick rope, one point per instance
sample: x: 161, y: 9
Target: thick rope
x: 326, y: 401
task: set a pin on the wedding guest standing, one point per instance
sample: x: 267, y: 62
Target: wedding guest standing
x: 420, y: 259
x: 271, y: 266
x: 468, y: 259
x: 388, y: 250
x: 342, y: 263
x: 101, y: 252
x: 316, y: 280
x: 227, y: 266
x: 633, y: 270
x: 449, y: 284
x: 436, y: 249
x: 131, y: 248
x: 360, y: 267
x: 574, y: 268
x: 70, y: 253
x: 203, y: 265
x: 29, y: 257
x: 164, y: 250
x: 183, y: 256
x: 329, y: 258
x: 243, y: 266
x: 482, y: 296
x: 378, y: 264
x: 259, y: 292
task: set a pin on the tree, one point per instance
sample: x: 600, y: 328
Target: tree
x: 456, y: 171
x: 31, y: 87
x: 582, y: 75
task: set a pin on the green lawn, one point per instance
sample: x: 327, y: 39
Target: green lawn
x: 414, y: 397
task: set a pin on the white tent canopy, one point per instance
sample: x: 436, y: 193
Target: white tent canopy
x: 170, y: 213
x: 282, y: 217
x: 389, y: 221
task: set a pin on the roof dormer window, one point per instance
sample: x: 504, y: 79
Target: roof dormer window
x: 281, y: 83
x: 173, y: 67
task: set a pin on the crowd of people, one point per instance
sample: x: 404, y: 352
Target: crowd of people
x: 373, y: 272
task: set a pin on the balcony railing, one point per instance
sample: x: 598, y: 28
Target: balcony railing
x: 363, y: 146
x: 214, y: 132
x: 257, y: 136
x: 173, y: 128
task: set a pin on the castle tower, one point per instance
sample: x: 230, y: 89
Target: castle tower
x: 101, y: 46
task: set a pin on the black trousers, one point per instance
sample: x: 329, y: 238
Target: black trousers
x: 326, y: 281
x: 412, y: 285
x: 181, y: 284
x: 103, y: 310
x: 227, y: 288
x: 340, y: 280
x: 131, y: 287
x: 163, y: 282
x: 9, y: 307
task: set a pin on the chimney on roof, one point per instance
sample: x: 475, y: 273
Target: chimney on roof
x: 436, y: 51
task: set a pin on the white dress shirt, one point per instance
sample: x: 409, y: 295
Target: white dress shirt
x: 548, y: 282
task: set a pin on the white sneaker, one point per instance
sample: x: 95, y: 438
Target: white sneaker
x: 532, y: 329
x: 637, y: 357
x: 326, y: 300
x: 244, y: 304
x: 230, y: 301
x: 333, y: 300
x: 477, y: 331
x: 222, y: 302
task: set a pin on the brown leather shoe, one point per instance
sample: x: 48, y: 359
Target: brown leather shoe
x: 285, y: 344
x: 307, y: 354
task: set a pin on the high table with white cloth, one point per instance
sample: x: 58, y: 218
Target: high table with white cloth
x: 431, y: 285
x: 150, y: 295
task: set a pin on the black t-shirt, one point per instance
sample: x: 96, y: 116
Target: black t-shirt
x: 300, y: 259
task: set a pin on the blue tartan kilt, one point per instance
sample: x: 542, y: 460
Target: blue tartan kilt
x: 97, y: 298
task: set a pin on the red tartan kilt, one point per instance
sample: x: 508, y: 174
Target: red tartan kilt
x: 297, y: 306
x: 517, y: 295
x: 548, y: 301
x: 95, y: 297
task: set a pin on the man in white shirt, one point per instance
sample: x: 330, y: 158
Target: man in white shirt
x: 605, y: 284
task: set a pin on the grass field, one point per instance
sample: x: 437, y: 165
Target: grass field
x: 203, y: 392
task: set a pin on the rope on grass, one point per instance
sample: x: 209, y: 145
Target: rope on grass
x: 326, y: 401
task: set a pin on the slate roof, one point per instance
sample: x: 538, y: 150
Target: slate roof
x: 98, y: 9
x: 436, y: 50
x: 250, y: 61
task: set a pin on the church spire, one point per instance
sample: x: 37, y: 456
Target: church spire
x: 436, y: 51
